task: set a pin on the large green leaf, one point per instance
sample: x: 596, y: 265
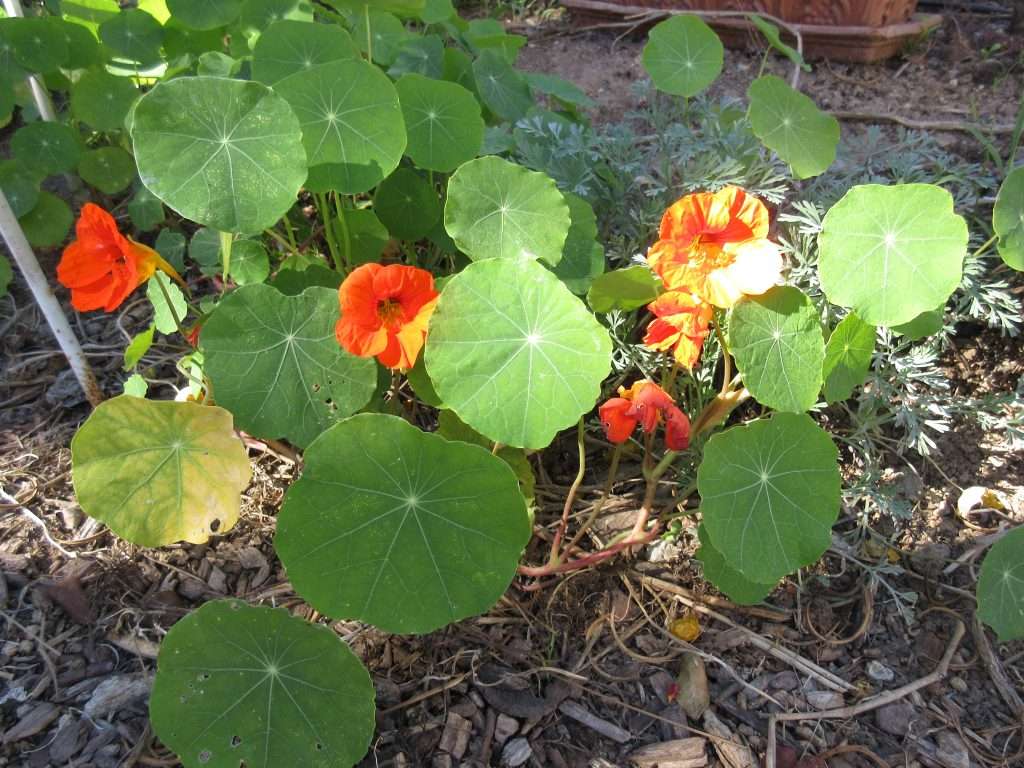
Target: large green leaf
x: 135, y: 35
x: 1008, y: 218
x: 290, y: 46
x: 352, y: 126
x: 582, y: 256
x: 1001, y: 586
x: 386, y: 31
x: 769, y: 495
x: 407, y: 204
x: 503, y: 89
x: 514, y: 353
x: 204, y: 14
x: 224, y: 153
x: 400, y: 528
x: 274, y: 362
x: 779, y: 348
x: 739, y: 589
x: 261, y: 14
x: 47, y: 224
x: 499, y: 209
x: 791, y: 124
x: 926, y: 324
x: 39, y: 43
x: 419, y: 55
x: 83, y: 47
x: 109, y: 169
x: 20, y: 186
x: 847, y: 357
x: 683, y: 55
x: 624, y: 289
x: 247, y: 685
x: 49, y: 148
x: 443, y: 121
x: 102, y: 100
x: 157, y: 472
x: 890, y: 253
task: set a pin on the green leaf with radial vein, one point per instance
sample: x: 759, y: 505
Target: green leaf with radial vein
x: 274, y: 362
x: 443, y: 120
x: 683, y: 55
x: 769, y: 495
x: 225, y: 153
x: 503, y: 89
x: 39, y: 43
x: 157, y: 472
x: 1008, y: 218
x: 135, y: 35
x: 1001, y: 587
x: 102, y: 100
x: 926, y: 324
x: 789, y: 123
x: 407, y: 204
x: 497, y: 209
x: 779, y: 348
x: 416, y: 532
x: 50, y: 148
x: 109, y: 169
x: 514, y: 353
x: 203, y: 14
x: 351, y: 123
x: 47, y: 224
x: 890, y: 253
x: 388, y: 33
x: 20, y: 186
x: 730, y: 581
x: 582, y: 256
x: 289, y: 46
x: 847, y: 357
x: 240, y: 684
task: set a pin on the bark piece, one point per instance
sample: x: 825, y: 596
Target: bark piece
x: 681, y: 753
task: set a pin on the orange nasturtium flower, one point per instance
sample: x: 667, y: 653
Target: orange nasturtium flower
x: 715, y: 244
x: 647, y: 404
x: 384, y: 313
x: 102, y: 266
x: 680, y: 324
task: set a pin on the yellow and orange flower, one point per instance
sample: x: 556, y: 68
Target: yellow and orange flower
x: 680, y: 325
x: 102, y: 267
x: 646, y: 404
x: 384, y: 313
x: 715, y: 245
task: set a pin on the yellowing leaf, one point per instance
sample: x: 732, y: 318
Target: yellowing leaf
x: 687, y: 628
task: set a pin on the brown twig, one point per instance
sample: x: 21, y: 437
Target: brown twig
x: 995, y: 669
x: 921, y: 125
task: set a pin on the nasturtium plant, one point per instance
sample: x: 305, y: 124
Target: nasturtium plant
x: 718, y: 571
x: 416, y: 533
x: 225, y: 153
x: 1008, y: 219
x: 624, y: 289
x: 274, y: 362
x: 109, y: 169
x: 779, y: 348
x: 407, y: 204
x: 202, y: 14
x: 47, y: 224
x: 290, y: 46
x: 20, y: 186
x: 1001, y: 586
x: 683, y: 55
x: 502, y: 89
x: 251, y: 685
x: 102, y: 100
x: 848, y: 354
x: 48, y: 147
x: 890, y: 253
x: 513, y: 353
x: 157, y: 472
x: 443, y: 121
x: 582, y: 255
x: 134, y: 35
x: 496, y: 208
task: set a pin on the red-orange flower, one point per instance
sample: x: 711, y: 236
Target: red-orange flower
x: 646, y: 404
x: 385, y: 311
x: 102, y: 266
x: 716, y: 245
x: 680, y: 325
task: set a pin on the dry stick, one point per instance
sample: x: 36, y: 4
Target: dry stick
x: 769, y: 614
x: 923, y: 125
x: 12, y: 503
x: 995, y: 670
x: 24, y: 257
x: 425, y: 695
x: 868, y: 704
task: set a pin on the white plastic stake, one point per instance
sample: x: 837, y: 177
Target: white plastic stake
x: 39, y: 93
x: 25, y: 258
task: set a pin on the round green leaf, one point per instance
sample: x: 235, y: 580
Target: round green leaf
x: 83, y: 48
x: 514, y: 353
x: 249, y: 262
x: 779, y: 348
x: 49, y: 147
x: 683, y: 55
x: 416, y: 531
x: 387, y: 32
x: 260, y: 14
x: 274, y: 362
x: 504, y: 90
x: 499, y: 209
x: 290, y: 46
x: 20, y: 186
x: 847, y: 357
x: 582, y: 256
x: 1008, y: 219
x: 204, y: 249
x: 39, y: 43
x: 730, y: 581
x: 203, y: 14
x: 437, y: 11
x: 292, y: 282
x: 224, y: 153
x: 624, y: 289
x: 102, y: 100
x: 89, y: 13
x: 890, y: 253
x: 443, y: 121
x: 407, y: 205
x: 789, y: 123
x: 926, y: 324
x: 145, y: 210
x: 48, y: 223
x: 1001, y: 586
x: 351, y: 122
x: 10, y: 70
x: 419, y: 55
x: 564, y: 90
x: 769, y: 495
x: 109, y: 169
x: 367, y: 236
x: 135, y: 35
x: 157, y: 472
x: 248, y: 685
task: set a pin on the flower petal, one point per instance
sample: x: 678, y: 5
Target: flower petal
x: 618, y: 425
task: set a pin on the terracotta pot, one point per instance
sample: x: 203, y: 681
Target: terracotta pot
x: 847, y: 13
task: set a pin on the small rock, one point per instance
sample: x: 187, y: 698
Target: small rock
x: 117, y: 693
x: 35, y: 720
x: 664, y: 551
x: 958, y: 684
x: 218, y: 580
x: 785, y: 681
x: 191, y: 589
x: 65, y: 391
x: 952, y: 751
x: 65, y: 743
x: 822, y: 700
x: 455, y: 737
x: 896, y: 718
x: 505, y: 727
x: 441, y: 761
x: 516, y: 752
x: 692, y: 681
x: 880, y: 673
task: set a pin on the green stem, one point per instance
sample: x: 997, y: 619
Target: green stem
x: 556, y: 544
x: 291, y: 232
x: 369, y: 33
x: 985, y: 246
x: 613, y: 470
x: 289, y: 247
x: 226, y: 239
x: 326, y: 216
x: 346, y: 239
